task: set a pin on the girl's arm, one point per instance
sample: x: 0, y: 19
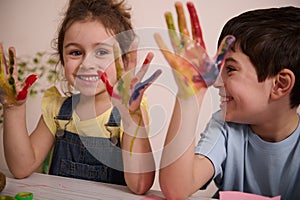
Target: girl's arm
x: 24, y: 153
x: 127, y: 94
x: 139, y: 165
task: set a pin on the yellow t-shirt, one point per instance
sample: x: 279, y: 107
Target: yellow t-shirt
x: 51, y: 104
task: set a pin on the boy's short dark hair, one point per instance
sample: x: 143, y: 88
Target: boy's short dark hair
x: 271, y: 39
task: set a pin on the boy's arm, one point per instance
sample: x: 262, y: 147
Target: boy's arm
x: 182, y: 172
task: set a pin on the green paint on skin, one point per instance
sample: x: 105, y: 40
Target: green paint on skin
x: 11, y: 79
x: 124, y: 90
x: 119, y: 69
x: 1, y: 71
x: 135, y: 134
x: 172, y: 31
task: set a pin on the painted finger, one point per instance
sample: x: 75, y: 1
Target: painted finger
x: 11, y: 66
x: 2, y: 67
x: 211, y: 76
x: 28, y: 83
x: 142, y: 86
x: 140, y: 75
x: 170, y: 57
x: 196, y: 28
x: 175, y: 41
x: 118, y: 61
x: 223, y: 49
x: 185, y: 35
x: 103, y: 77
x: 132, y: 56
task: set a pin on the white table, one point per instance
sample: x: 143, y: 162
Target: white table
x: 46, y: 187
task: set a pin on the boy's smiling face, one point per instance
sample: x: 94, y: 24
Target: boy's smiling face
x: 243, y: 98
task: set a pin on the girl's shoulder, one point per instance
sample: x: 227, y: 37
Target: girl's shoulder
x: 53, y: 96
x: 52, y: 100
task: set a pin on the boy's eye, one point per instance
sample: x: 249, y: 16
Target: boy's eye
x: 230, y: 68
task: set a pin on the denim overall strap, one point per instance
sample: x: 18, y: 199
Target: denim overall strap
x: 85, y: 157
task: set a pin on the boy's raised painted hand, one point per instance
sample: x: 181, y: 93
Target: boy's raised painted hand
x: 193, y: 68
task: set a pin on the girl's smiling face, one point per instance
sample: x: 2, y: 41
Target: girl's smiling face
x: 243, y: 98
x: 87, y: 48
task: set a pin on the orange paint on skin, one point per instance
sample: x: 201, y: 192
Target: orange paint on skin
x: 181, y: 19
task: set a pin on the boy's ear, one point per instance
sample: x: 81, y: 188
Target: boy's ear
x: 283, y: 83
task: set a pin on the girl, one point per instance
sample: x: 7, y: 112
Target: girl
x: 84, y: 128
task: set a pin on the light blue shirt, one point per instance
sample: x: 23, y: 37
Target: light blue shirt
x: 244, y: 162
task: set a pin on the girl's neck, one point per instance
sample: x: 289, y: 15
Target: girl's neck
x: 90, y: 107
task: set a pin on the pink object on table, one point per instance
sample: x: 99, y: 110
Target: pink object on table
x: 234, y: 195
x: 152, y: 197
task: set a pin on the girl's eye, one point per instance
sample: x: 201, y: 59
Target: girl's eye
x: 75, y: 53
x: 102, y: 52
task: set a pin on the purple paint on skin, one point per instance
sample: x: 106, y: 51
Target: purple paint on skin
x: 140, y: 86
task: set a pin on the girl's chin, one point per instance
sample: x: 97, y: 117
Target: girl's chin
x: 91, y: 91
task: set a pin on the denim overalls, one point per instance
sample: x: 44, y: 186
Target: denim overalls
x: 86, y: 157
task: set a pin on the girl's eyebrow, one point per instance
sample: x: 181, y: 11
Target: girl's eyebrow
x: 71, y: 44
x: 95, y: 45
x: 103, y: 44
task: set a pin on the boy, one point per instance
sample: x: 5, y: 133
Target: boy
x: 252, y: 143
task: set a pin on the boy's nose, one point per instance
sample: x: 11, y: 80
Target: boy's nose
x: 219, y: 82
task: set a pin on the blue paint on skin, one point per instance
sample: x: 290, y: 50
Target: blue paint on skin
x: 142, y: 85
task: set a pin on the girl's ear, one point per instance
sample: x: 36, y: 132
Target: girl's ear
x: 283, y: 84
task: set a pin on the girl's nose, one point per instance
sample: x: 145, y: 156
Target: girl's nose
x: 219, y: 82
x: 89, y: 62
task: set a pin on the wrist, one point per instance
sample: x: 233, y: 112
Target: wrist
x: 191, y: 103
x: 13, y: 106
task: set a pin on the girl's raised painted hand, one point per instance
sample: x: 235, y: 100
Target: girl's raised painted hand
x: 12, y: 92
x: 193, y: 68
x: 129, y: 89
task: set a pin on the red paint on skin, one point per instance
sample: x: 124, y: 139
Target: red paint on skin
x: 28, y: 82
x: 146, y: 61
x: 109, y: 87
x: 196, y: 25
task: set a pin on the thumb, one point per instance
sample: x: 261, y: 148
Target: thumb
x: 28, y: 83
x: 223, y: 49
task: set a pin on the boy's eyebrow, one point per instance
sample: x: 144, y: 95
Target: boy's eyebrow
x: 230, y: 59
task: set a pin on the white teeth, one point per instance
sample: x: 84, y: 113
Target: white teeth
x: 88, y: 78
x: 226, y: 99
